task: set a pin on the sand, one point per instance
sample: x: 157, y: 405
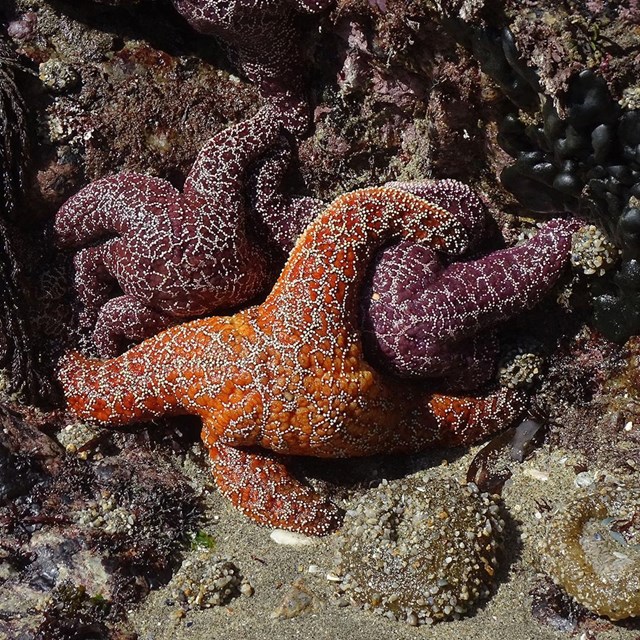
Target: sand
x: 272, y: 569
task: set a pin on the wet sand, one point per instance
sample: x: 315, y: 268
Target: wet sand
x: 272, y: 569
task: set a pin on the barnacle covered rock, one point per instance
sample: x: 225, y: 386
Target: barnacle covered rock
x: 520, y: 369
x: 591, y: 550
x: 83, y: 537
x: 593, y: 251
x: 420, y: 550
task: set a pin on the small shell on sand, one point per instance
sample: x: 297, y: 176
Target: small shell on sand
x: 290, y: 538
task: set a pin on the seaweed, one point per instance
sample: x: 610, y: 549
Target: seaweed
x: 17, y: 349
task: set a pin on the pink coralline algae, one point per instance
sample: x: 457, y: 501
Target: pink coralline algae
x: 289, y: 376
x: 263, y: 35
x: 424, y: 318
x: 173, y: 255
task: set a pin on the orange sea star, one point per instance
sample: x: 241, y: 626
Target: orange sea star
x: 289, y: 376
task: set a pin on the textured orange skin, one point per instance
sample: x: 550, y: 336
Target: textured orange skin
x: 289, y: 376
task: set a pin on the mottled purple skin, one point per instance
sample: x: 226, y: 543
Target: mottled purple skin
x: 174, y: 255
x: 264, y: 37
x: 456, y: 198
x: 278, y: 217
x: 423, y: 319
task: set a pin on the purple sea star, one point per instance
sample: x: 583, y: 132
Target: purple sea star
x: 289, y: 375
x: 278, y: 216
x: 264, y: 37
x: 422, y: 318
x: 173, y: 255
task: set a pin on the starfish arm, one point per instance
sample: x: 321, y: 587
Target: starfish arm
x: 197, y: 368
x: 218, y: 175
x: 460, y: 200
x: 125, y: 320
x: 93, y: 280
x: 463, y: 420
x: 116, y: 205
x: 149, y: 380
x: 417, y: 332
x: 112, y: 392
x: 506, y: 282
x: 259, y: 485
x: 282, y: 218
x: 385, y: 294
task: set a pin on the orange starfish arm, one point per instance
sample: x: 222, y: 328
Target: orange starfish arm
x: 259, y: 485
x: 467, y: 419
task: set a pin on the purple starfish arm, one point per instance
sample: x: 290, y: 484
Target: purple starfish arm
x: 398, y: 273
x: 264, y: 37
x: 172, y: 254
x: 421, y: 322
x: 456, y: 198
x: 279, y: 217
